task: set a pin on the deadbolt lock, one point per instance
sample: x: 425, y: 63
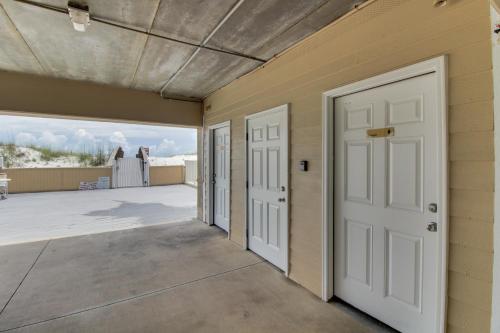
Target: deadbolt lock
x: 432, y: 226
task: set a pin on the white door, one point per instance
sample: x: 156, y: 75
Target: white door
x: 129, y: 172
x: 267, y: 172
x: 221, y: 167
x: 386, y: 260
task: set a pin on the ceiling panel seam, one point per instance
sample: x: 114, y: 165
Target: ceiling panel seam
x: 23, y: 39
x: 302, y: 18
x: 141, y: 31
x: 312, y: 11
x: 203, y: 43
x: 316, y: 9
x: 145, y: 45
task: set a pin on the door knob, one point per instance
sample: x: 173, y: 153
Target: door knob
x: 281, y: 199
x: 433, y: 207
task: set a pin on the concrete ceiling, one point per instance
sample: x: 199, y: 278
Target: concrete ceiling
x: 179, y: 48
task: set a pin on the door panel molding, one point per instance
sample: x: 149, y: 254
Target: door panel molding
x: 439, y: 67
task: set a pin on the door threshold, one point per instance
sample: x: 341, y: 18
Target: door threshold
x: 373, y: 323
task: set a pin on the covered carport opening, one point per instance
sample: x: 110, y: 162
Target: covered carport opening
x: 63, y: 214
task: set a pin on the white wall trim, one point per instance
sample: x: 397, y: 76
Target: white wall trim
x: 286, y: 108
x: 437, y: 65
x: 209, y: 171
x: 495, y: 311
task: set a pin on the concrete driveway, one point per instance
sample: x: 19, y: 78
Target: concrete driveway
x: 182, y: 277
x: 39, y: 216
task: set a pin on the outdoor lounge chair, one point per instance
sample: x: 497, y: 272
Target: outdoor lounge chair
x: 4, y: 186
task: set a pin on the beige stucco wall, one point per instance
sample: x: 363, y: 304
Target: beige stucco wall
x: 52, y: 179
x: 42, y: 96
x: 166, y: 175
x: 495, y: 324
x: 68, y: 179
x: 382, y: 36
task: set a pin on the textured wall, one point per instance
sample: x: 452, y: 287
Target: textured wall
x: 41, y: 96
x: 52, y: 179
x: 382, y: 36
x: 495, y: 325
x: 68, y: 179
x: 166, y: 175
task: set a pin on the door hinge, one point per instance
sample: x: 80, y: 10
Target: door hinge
x: 247, y: 183
x: 246, y: 136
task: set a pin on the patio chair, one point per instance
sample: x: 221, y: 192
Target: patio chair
x: 4, y: 186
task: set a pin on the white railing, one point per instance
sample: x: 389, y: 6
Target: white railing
x: 191, y: 177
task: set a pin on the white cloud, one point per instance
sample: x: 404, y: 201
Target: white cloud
x: 82, y: 135
x: 49, y: 139
x: 25, y: 139
x: 167, y: 144
x: 83, y: 141
x: 166, y: 147
x: 119, y: 139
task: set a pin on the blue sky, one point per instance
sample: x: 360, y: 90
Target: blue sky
x: 79, y: 135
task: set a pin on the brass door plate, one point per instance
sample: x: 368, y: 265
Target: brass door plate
x: 380, y: 132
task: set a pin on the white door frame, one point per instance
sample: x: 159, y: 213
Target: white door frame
x: 209, y: 160
x: 286, y: 108
x: 437, y: 65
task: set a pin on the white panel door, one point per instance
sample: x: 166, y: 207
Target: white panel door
x: 267, y: 172
x: 221, y: 167
x: 129, y: 172
x: 386, y: 261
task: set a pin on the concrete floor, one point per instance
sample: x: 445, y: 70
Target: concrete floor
x: 183, y: 277
x: 32, y: 217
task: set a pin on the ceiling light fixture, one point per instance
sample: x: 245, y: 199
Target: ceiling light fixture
x: 79, y: 15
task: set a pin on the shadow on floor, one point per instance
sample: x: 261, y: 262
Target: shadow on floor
x: 145, y: 213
